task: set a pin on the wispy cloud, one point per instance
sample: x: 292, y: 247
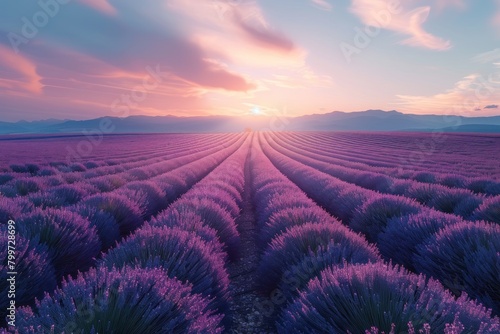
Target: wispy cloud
x: 488, y: 57
x: 18, y: 72
x: 400, y: 19
x: 439, y: 103
x: 101, y: 5
x: 261, y: 35
x: 241, y: 21
x: 322, y: 4
x: 420, y: 37
x: 466, y: 98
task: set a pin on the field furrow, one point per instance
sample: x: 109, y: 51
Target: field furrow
x: 460, y: 202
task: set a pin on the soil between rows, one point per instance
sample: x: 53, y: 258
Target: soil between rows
x: 248, y: 305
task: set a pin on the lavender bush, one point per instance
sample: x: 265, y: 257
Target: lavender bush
x: 182, y: 255
x: 400, y: 239
x: 72, y: 242
x: 489, y: 210
x: 126, y: 213
x: 5, y: 177
x: 372, y: 218
x: 356, y: 298
x: 291, y: 247
x: 297, y: 276
x: 191, y: 222
x: 35, y: 273
x: 448, y: 256
x: 126, y: 301
x: 104, y: 223
x: 282, y: 220
x: 214, y: 216
x: 147, y: 195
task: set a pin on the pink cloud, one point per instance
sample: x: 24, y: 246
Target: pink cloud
x: 400, y: 19
x: 237, y: 21
x: 466, y: 98
x: 124, y: 45
x: 19, y: 72
x: 107, y: 81
x: 255, y: 44
x: 263, y: 36
x: 419, y: 37
x: 216, y: 76
x: 72, y: 95
x: 78, y: 86
x: 102, y: 6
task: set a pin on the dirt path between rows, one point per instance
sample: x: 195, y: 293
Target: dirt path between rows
x: 248, y: 306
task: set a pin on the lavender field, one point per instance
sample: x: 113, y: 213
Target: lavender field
x: 254, y: 232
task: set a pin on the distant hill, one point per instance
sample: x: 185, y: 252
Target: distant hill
x: 378, y: 120
x: 369, y: 120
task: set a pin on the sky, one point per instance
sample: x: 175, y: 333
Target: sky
x: 83, y: 59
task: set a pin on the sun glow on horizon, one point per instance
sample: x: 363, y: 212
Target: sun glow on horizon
x: 256, y: 111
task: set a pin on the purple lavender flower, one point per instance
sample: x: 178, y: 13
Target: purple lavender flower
x: 359, y: 297
x: 126, y: 301
x: 72, y: 242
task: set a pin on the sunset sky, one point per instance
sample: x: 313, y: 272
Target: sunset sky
x: 90, y: 58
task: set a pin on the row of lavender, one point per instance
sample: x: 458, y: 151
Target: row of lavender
x: 462, y: 202
x: 322, y: 277
x: 137, y: 151
x: 170, y: 274
x: 474, y: 165
x: 104, y: 177
x: 54, y: 244
x: 54, y: 150
x: 55, y: 194
x: 433, y: 170
x: 412, y: 150
x: 482, y: 182
x: 463, y: 255
x: 101, y: 178
x: 427, y: 151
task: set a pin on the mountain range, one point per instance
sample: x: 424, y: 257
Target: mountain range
x: 369, y: 120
